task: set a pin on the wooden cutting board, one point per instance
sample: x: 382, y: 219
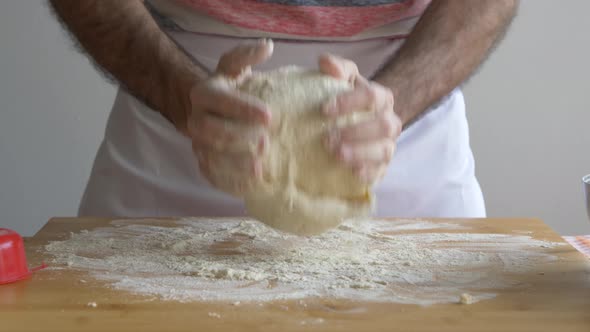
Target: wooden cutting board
x: 56, y: 300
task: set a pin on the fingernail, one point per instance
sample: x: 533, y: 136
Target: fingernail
x: 345, y: 153
x: 264, y: 114
x: 257, y: 170
x: 359, y: 172
x: 330, y: 106
x: 362, y: 174
x: 262, y: 144
x: 270, y: 44
x: 266, y: 42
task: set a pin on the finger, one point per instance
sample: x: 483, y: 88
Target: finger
x: 222, y: 135
x: 205, y: 169
x: 363, y: 154
x: 241, y: 58
x: 366, y: 96
x: 217, y: 97
x: 231, y: 173
x: 230, y: 165
x: 226, y: 184
x: 207, y: 131
x: 337, y: 67
x: 370, y: 174
x: 384, y: 125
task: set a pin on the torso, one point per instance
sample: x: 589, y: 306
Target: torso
x: 146, y: 168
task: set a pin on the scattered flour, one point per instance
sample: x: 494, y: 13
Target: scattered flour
x: 313, y: 321
x: 242, y: 260
x: 214, y: 315
x: 466, y: 298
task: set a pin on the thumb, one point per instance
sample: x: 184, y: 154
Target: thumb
x: 241, y: 58
x: 337, y: 67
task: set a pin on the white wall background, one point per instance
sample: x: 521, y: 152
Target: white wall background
x: 529, y: 110
x: 53, y: 109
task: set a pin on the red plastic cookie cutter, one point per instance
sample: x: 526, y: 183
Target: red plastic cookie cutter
x: 13, y: 260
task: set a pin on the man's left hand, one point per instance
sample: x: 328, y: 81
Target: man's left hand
x: 367, y: 147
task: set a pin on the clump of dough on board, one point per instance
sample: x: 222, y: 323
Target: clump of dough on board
x: 305, y: 190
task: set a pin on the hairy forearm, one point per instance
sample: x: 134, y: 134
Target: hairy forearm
x: 124, y: 40
x: 449, y: 42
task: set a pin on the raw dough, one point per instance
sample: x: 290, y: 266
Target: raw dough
x: 305, y: 189
x: 466, y: 298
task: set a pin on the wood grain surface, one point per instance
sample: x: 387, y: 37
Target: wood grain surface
x: 557, y: 299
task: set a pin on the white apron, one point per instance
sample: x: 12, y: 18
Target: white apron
x: 145, y: 168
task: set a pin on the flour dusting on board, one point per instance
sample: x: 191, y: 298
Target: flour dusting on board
x: 243, y: 260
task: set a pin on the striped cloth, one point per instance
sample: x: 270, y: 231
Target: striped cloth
x: 308, y: 18
x: 580, y: 242
x: 293, y: 19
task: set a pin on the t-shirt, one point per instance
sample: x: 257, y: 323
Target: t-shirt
x: 334, y: 20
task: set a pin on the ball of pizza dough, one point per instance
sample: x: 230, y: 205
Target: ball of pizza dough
x: 304, y: 190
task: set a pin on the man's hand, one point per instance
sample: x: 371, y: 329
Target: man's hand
x: 227, y: 128
x: 367, y: 147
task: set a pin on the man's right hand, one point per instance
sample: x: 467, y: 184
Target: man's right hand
x: 228, y: 129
